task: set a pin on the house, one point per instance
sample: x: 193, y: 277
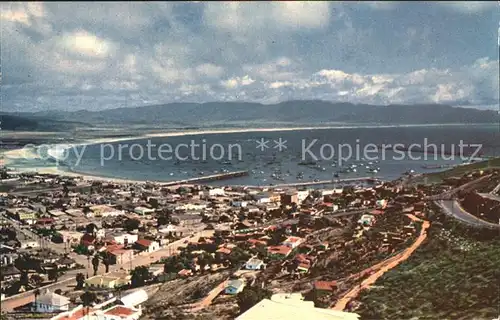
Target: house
x: 26, y: 244
x: 105, y: 211
x: 322, y: 288
x: 214, y: 192
x: 366, y: 220
x: 65, y: 263
x: 110, y: 281
x: 10, y: 273
x: 147, y: 245
x: 143, y: 210
x: 255, y: 264
x: 293, y: 242
x: 167, y: 229
x: 50, y: 302
x: 119, y: 313
x: 279, y: 252
x: 239, y: 204
x: 234, y: 287
x: 123, y: 238
x: 121, y: 256
x: 185, y: 273
x: 25, y: 215
x: 290, y: 197
x: 71, y: 237
x: 57, y: 213
x: 381, y: 204
x: 88, y: 241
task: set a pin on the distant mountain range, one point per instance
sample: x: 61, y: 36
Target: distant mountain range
x: 307, y: 112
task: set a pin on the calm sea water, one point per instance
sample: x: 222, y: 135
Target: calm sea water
x: 269, y: 165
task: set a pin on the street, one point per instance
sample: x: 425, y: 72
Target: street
x: 453, y: 208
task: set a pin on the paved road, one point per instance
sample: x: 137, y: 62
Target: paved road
x: 69, y: 278
x: 449, y: 194
x: 453, y: 208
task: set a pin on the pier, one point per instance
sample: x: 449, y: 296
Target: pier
x: 214, y: 177
x: 312, y: 183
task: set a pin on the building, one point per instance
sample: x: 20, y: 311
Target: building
x: 291, y: 307
x: 234, y: 287
x: 123, y: 238
x: 110, y: 281
x: 27, y: 244
x: 71, y: 237
x: 105, y: 211
x: 50, y: 302
x: 290, y: 197
x: 135, y: 298
x: 381, y: 204
x: 147, y: 245
x: 293, y: 242
x: 254, y: 264
x: 121, y: 256
x: 25, y: 215
x: 143, y: 211
x: 366, y: 220
x: 215, y: 192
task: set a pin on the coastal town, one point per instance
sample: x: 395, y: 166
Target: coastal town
x: 78, y: 249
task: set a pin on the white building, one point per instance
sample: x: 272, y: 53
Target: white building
x: 50, y: 302
x: 124, y: 238
x: 25, y: 244
x: 142, y: 210
x: 215, y: 192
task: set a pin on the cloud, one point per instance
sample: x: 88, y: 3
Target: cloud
x: 469, y: 7
x: 104, y: 55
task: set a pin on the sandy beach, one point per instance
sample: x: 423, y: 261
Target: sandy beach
x: 10, y: 156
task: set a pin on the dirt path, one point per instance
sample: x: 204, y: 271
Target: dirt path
x: 384, y: 267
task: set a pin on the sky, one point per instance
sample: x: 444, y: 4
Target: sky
x: 84, y: 55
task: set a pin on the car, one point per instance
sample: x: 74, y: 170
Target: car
x: 186, y: 241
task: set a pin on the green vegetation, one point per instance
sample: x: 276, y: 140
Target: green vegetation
x: 454, y: 275
x: 250, y: 296
x: 437, y: 177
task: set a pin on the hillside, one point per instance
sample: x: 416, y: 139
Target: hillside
x: 33, y: 123
x: 307, y: 112
x: 452, y: 276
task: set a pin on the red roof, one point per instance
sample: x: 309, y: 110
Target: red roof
x: 325, y: 285
x: 88, y: 238
x: 377, y: 212
x: 114, y: 247
x: 78, y: 314
x: 224, y: 250
x: 283, y: 250
x: 120, y: 311
x: 144, y: 242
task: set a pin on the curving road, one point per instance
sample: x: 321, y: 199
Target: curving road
x: 454, y: 209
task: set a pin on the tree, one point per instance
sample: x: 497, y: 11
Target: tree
x: 58, y: 291
x: 88, y: 298
x: 36, y: 293
x: 54, y: 274
x: 250, y: 296
x: 95, y: 264
x: 139, y: 276
x: 106, y: 260
x: 91, y: 228
x: 131, y: 224
x: 80, y: 280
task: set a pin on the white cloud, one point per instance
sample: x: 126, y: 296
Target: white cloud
x: 86, y: 44
x: 470, y: 6
x: 237, y: 82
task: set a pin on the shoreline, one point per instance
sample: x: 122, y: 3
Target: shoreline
x: 10, y: 156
